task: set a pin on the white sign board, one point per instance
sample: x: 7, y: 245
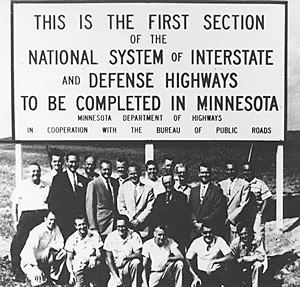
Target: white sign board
x: 149, y: 71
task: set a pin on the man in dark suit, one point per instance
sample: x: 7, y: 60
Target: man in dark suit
x: 101, y: 200
x: 67, y: 195
x: 207, y: 203
x: 170, y: 209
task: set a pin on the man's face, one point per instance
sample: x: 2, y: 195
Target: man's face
x: 122, y: 228
x: 105, y: 170
x: 56, y: 163
x: 90, y: 165
x: 35, y: 173
x: 50, y: 221
x: 208, y: 235
x: 168, y: 166
x: 121, y: 168
x: 247, y: 173
x: 181, y: 173
x: 204, y: 174
x: 245, y: 235
x: 230, y: 171
x: 134, y: 174
x: 168, y: 183
x: 152, y: 172
x: 72, y: 163
x: 159, y: 236
x: 81, y: 226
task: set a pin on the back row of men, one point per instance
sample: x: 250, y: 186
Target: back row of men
x: 147, y: 201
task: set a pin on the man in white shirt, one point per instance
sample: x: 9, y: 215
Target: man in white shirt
x: 121, y: 168
x: 42, y: 256
x: 166, y: 268
x: 211, y: 252
x: 89, y: 167
x: 56, y: 160
x: 84, y: 250
x: 29, y: 208
x: 123, y: 253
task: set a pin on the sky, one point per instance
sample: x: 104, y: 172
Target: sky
x: 293, y: 118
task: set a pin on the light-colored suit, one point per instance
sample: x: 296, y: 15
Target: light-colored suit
x: 101, y: 206
x: 239, y: 201
x: 138, y: 208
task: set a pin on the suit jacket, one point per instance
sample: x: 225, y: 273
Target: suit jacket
x: 101, y: 207
x: 239, y: 201
x: 212, y: 209
x: 65, y: 203
x: 139, y: 208
x: 173, y: 213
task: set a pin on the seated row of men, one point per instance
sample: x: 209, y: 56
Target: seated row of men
x: 147, y: 201
x: 156, y: 262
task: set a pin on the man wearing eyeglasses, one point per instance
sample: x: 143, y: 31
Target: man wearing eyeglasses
x: 211, y: 252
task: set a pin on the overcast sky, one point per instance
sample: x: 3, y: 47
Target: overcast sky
x: 293, y: 67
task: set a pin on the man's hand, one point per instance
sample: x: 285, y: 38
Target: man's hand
x: 198, y: 226
x: 92, y: 262
x: 39, y: 276
x: 134, y: 223
x: 72, y: 279
x: 45, y: 255
x: 196, y: 280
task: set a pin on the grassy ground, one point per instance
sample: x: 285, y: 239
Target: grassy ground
x: 283, y: 249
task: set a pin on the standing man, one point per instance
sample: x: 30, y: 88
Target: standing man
x: 250, y: 258
x: 84, y: 249
x: 29, y: 208
x: 170, y: 209
x: 262, y: 196
x: 207, y: 203
x: 123, y: 253
x: 90, y: 166
x: 151, y: 177
x: 168, y: 166
x: 56, y: 160
x: 181, y: 180
x: 239, y: 200
x: 135, y: 200
x: 67, y: 195
x: 101, y: 200
x: 43, y: 254
x: 121, y: 167
x: 166, y: 260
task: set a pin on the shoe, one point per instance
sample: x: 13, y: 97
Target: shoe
x: 20, y: 278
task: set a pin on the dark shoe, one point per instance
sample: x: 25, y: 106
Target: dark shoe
x: 20, y: 277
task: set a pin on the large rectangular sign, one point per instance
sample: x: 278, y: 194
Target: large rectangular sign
x: 149, y: 71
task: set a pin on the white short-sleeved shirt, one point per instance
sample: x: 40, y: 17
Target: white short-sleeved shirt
x: 261, y: 191
x: 29, y: 196
x: 204, y: 254
x: 120, y: 247
x: 159, y: 255
x: 83, y: 248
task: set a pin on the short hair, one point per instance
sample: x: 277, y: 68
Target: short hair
x: 123, y: 217
x: 151, y: 162
x: 208, y: 224
x: 80, y: 217
x: 105, y: 161
x: 161, y: 226
x: 138, y: 168
x: 122, y: 159
x: 180, y: 164
x: 70, y: 153
x: 241, y: 225
x: 205, y: 164
x: 232, y: 162
x: 36, y: 164
x: 165, y: 175
x: 47, y: 213
x: 55, y: 152
x: 91, y: 155
x: 249, y: 164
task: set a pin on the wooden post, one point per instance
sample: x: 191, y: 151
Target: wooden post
x: 149, y: 152
x: 19, y: 163
x: 279, y: 188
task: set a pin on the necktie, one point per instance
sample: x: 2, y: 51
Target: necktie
x: 202, y: 190
x: 135, y: 193
x: 74, y: 182
x: 109, y: 190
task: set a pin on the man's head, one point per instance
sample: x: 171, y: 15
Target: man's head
x: 204, y: 173
x: 72, y: 161
x: 121, y: 167
x: 56, y: 159
x: 81, y: 225
x: 245, y: 232
x: 122, y: 226
x: 50, y: 220
x: 152, y: 169
x: 248, y: 172
x: 168, y: 182
x: 207, y: 232
x: 160, y: 235
x: 134, y: 173
x: 90, y: 164
x: 168, y: 166
x: 35, y: 172
x: 105, y: 168
x: 181, y: 172
x: 231, y: 171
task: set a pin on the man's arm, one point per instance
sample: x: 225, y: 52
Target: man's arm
x: 145, y: 271
x: 112, y: 267
x: 137, y: 254
x: 90, y: 206
x: 15, y: 215
x: 69, y: 264
x: 121, y: 203
x: 141, y: 217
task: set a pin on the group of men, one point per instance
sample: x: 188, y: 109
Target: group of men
x: 154, y: 229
